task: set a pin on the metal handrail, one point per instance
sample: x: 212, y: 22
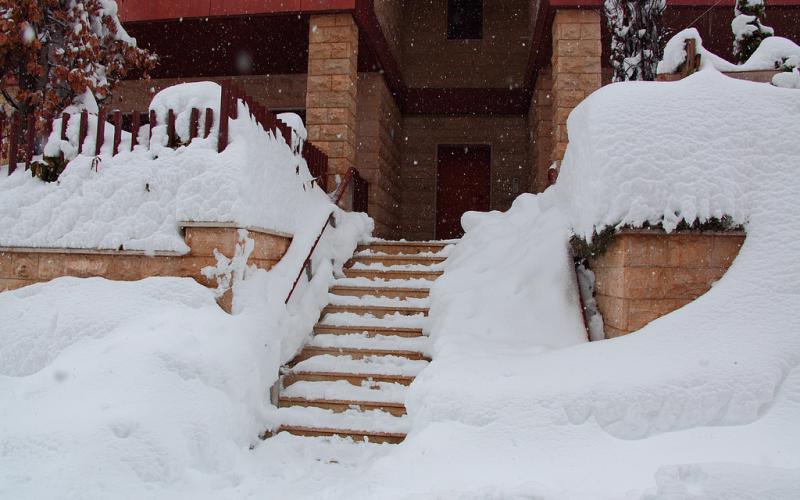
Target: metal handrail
x: 336, y: 197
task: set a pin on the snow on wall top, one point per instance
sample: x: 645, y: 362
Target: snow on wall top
x: 770, y: 54
x: 662, y: 152
x: 136, y: 200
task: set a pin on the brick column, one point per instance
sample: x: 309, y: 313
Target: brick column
x: 576, y: 67
x: 331, y: 93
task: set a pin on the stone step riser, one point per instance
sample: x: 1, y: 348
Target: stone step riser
x: 398, y: 410
x: 394, y: 261
x: 371, y: 331
x: 311, y: 351
x: 392, y: 293
x: 404, y: 249
x: 357, y: 436
x: 378, y: 312
x: 353, y: 378
x: 391, y: 275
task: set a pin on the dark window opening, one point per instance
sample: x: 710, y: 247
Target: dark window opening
x: 464, y: 19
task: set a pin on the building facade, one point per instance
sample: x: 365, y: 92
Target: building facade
x: 442, y: 105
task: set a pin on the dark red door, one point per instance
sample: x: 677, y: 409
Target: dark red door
x: 463, y: 181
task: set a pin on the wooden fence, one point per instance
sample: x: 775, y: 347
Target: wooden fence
x: 22, y: 135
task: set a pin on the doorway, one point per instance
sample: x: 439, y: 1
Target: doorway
x: 463, y: 183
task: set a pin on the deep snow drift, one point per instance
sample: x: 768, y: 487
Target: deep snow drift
x: 136, y: 200
x: 702, y: 403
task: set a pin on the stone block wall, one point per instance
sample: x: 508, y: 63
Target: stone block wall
x: 380, y: 136
x: 576, y: 63
x: 277, y: 92
x: 507, y: 135
x: 540, y: 123
x: 646, y: 274
x: 332, y: 89
x: 24, y: 266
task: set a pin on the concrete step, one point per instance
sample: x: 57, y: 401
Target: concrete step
x: 339, y: 405
x: 371, y: 436
x: 403, y: 247
x: 356, y: 353
x: 369, y: 330
x: 394, y: 260
x: 378, y: 291
x: 377, y: 311
x: 391, y: 274
x: 353, y: 378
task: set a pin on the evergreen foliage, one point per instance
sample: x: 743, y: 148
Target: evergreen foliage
x: 636, y: 34
x: 748, y: 31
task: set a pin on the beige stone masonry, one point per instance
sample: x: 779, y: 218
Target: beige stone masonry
x: 576, y: 68
x: 332, y: 89
x: 24, y: 266
x: 646, y: 274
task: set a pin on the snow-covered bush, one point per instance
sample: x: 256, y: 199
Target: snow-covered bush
x: 748, y: 31
x: 636, y: 32
x: 774, y: 53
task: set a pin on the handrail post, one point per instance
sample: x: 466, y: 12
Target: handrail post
x: 224, y: 113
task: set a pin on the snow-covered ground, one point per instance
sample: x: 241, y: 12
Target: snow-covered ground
x: 155, y: 393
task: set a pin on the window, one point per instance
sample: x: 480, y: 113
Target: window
x: 464, y: 19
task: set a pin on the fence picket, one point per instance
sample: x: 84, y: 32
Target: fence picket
x: 83, y: 126
x: 13, y: 144
x: 153, y: 122
x: 101, y: 131
x: 117, y: 132
x: 172, y: 140
x: 194, y: 119
x: 30, y: 140
x: 209, y: 123
x: 224, y: 113
x: 63, y: 132
x: 135, y: 126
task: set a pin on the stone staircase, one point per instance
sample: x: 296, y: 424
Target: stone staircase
x: 351, y: 378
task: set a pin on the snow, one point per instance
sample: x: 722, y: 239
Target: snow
x: 340, y: 390
x: 370, y: 300
x: 788, y: 79
x: 182, y: 98
x: 162, y: 395
x: 137, y: 200
x: 373, y: 365
x: 364, y: 341
x: 396, y: 320
x: 769, y: 55
x: 135, y: 383
x: 378, y: 266
x: 415, y: 283
x: 369, y: 420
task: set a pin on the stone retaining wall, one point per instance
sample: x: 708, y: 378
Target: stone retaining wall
x: 24, y: 266
x: 646, y: 274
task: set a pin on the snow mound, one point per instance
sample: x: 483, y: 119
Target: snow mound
x: 710, y: 166
x: 136, y: 200
x: 181, y: 99
x: 770, y: 54
x: 114, y: 389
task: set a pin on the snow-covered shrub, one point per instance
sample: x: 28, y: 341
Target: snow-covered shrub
x: 773, y: 53
x: 636, y: 32
x: 748, y: 31
x: 787, y: 80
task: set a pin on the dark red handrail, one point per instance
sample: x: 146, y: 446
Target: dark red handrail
x: 353, y: 176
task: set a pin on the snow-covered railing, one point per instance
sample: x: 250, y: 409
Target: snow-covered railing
x: 317, y: 160
x: 359, y: 203
x: 35, y: 135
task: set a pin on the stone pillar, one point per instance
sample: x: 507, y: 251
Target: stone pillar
x: 331, y: 93
x: 576, y: 67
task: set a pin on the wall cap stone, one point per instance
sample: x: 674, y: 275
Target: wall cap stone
x: 682, y: 232
x: 90, y: 251
x: 254, y: 229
